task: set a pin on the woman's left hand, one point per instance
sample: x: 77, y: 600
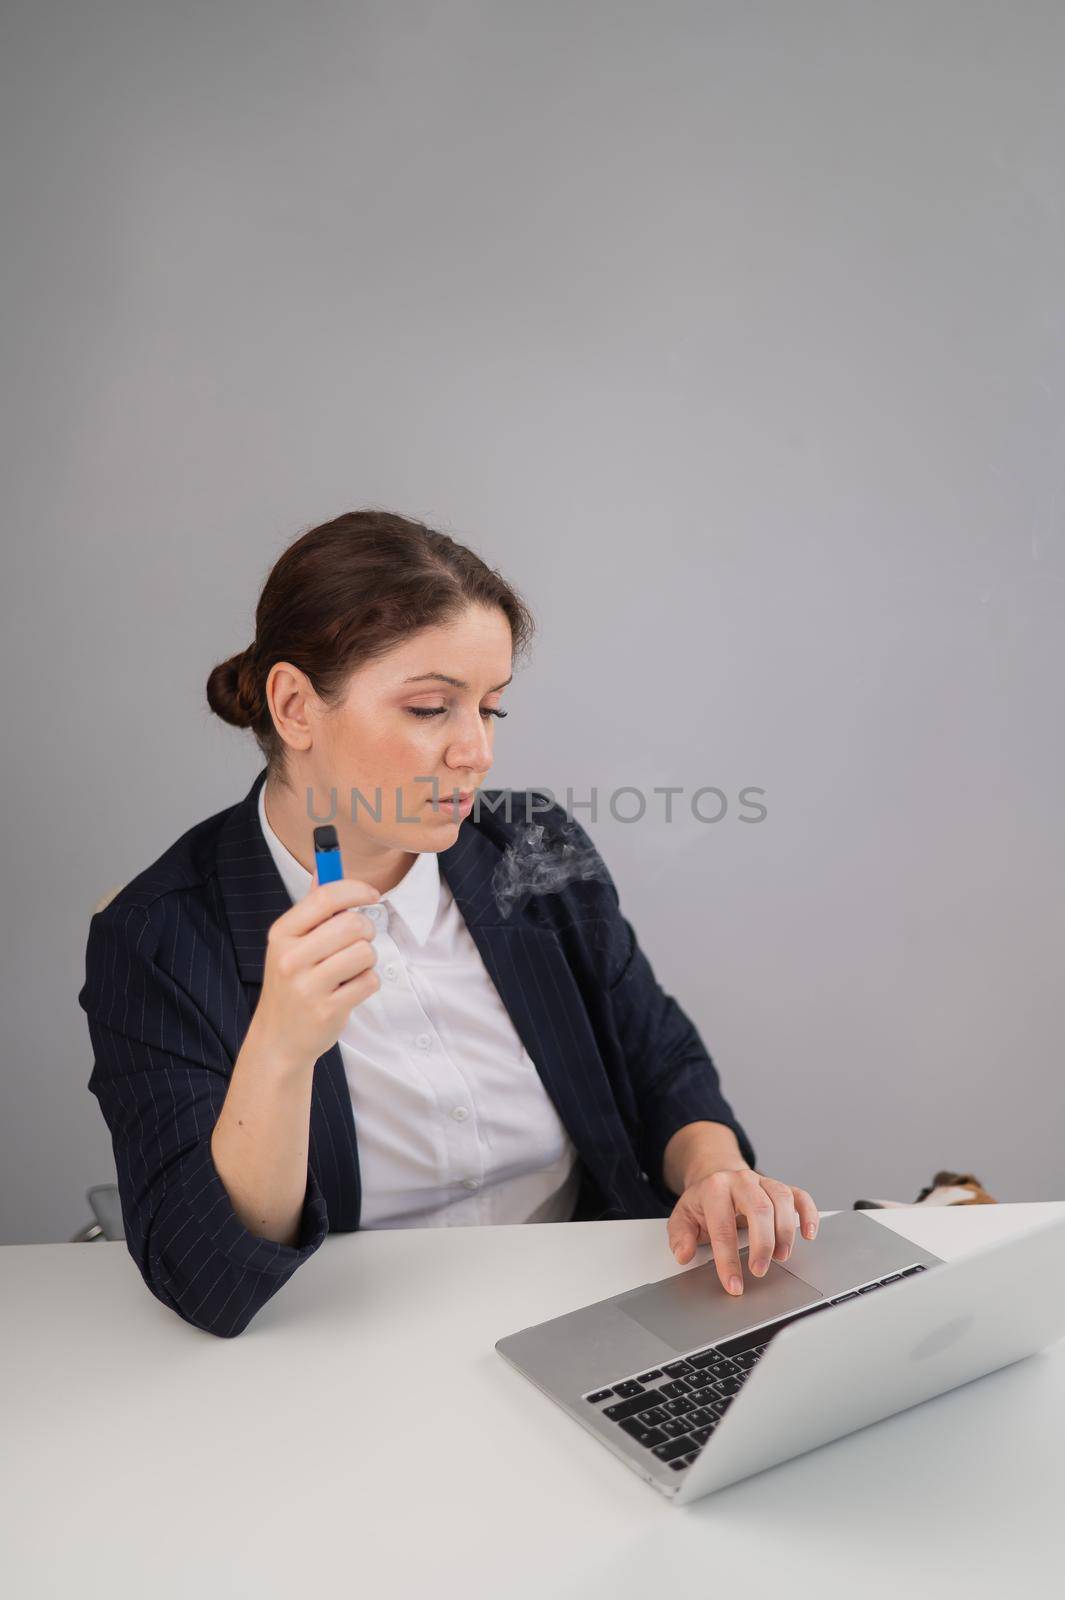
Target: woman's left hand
x: 772, y: 1211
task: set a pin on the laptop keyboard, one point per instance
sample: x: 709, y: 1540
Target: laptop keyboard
x: 672, y: 1410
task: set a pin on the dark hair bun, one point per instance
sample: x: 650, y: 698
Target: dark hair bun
x: 231, y: 692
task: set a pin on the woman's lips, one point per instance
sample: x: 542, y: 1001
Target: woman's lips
x: 464, y: 801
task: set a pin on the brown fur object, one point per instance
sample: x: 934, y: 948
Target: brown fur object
x: 946, y: 1189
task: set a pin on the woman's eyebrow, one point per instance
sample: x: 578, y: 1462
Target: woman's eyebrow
x: 456, y: 683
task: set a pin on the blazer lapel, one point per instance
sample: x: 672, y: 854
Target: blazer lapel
x: 529, y: 969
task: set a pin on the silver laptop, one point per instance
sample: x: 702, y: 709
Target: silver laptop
x: 694, y: 1388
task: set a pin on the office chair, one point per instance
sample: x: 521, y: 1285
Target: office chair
x: 107, y: 1212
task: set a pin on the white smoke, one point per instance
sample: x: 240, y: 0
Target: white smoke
x: 538, y: 862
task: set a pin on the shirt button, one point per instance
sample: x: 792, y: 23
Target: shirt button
x: 460, y: 1113
x: 423, y: 1041
x: 392, y: 971
x: 471, y: 1183
x: 374, y: 912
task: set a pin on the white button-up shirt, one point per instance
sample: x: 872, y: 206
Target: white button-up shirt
x: 454, y: 1124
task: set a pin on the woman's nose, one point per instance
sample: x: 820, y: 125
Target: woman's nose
x: 472, y: 753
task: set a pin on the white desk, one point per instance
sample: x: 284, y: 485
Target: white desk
x: 144, y: 1460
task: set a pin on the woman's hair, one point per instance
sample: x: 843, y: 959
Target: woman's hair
x: 343, y: 594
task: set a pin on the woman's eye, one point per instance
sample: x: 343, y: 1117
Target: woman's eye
x: 435, y: 711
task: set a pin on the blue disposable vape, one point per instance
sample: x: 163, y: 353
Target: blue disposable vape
x: 327, y: 854
x: 328, y: 865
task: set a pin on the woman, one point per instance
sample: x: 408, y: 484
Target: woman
x: 271, y: 1069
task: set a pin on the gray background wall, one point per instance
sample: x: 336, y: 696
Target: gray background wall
x: 734, y: 334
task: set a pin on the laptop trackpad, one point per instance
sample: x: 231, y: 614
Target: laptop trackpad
x: 694, y: 1308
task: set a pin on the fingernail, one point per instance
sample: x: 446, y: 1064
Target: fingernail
x: 758, y: 1267
x: 735, y: 1286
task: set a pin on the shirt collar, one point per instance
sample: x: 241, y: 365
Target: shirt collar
x: 415, y: 898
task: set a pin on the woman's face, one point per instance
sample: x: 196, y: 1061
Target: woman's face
x: 401, y: 725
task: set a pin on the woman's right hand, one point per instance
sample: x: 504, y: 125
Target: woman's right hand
x: 318, y: 966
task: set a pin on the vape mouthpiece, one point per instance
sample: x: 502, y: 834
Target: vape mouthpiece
x: 325, y: 838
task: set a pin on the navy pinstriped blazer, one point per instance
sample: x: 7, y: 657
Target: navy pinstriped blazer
x: 174, y: 968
